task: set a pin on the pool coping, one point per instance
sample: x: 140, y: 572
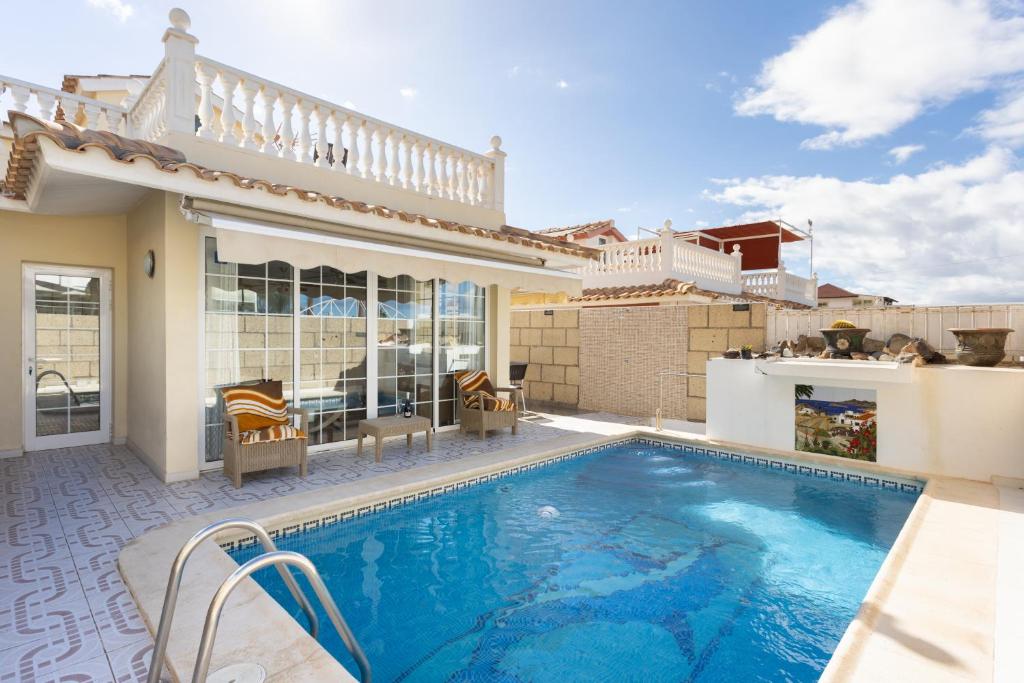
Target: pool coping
x: 253, y: 619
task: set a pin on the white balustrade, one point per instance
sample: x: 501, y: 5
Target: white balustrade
x: 189, y: 94
x: 651, y: 261
x: 782, y: 285
x: 48, y: 103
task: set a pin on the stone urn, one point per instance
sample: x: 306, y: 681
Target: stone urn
x: 842, y: 341
x: 980, y: 346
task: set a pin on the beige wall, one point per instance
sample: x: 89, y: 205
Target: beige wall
x: 608, y: 358
x: 550, y: 344
x: 94, y: 241
x: 712, y: 330
x: 622, y: 351
x: 163, y: 360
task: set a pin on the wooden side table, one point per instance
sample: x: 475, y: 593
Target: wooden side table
x: 393, y: 425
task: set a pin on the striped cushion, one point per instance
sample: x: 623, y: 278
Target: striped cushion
x: 275, y: 433
x: 254, y: 409
x: 477, y: 380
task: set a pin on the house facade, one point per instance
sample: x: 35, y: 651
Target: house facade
x: 200, y: 226
x: 833, y: 296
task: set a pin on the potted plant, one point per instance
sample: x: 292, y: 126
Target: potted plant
x: 844, y: 338
x: 980, y: 346
x: 746, y: 351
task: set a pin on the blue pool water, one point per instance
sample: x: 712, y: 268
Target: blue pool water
x: 634, y: 563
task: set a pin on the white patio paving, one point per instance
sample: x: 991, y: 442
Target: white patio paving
x: 65, y: 615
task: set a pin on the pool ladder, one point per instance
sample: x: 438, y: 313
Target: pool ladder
x: 282, y: 559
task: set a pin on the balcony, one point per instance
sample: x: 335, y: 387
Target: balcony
x: 226, y: 118
x: 680, y: 256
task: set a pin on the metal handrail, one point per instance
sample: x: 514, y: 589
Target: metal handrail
x: 163, y: 632
x: 277, y: 558
x: 661, y: 393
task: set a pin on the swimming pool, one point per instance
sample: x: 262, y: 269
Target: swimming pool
x: 635, y: 562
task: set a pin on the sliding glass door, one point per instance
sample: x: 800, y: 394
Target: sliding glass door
x: 345, y: 345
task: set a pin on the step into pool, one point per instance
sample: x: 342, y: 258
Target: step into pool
x: 635, y: 562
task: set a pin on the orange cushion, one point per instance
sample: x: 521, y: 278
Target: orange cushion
x: 276, y: 433
x: 255, y: 406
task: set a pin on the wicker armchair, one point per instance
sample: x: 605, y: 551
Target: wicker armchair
x: 478, y: 419
x: 242, y: 458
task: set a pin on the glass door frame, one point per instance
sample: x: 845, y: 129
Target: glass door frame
x: 31, y: 441
x: 371, y: 350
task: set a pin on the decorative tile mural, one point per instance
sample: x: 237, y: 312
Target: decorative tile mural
x: 837, y: 421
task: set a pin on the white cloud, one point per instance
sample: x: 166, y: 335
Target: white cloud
x: 903, y: 152
x: 562, y: 84
x: 514, y: 71
x: 875, y: 65
x: 1005, y: 123
x: 954, y: 233
x: 408, y: 92
x: 121, y: 10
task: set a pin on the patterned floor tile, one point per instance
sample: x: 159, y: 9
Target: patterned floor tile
x: 65, y: 614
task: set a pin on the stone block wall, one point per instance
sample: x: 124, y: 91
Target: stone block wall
x: 623, y: 349
x: 609, y: 358
x: 713, y: 329
x: 551, y: 345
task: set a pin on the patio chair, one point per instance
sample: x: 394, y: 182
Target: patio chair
x: 517, y: 379
x: 259, y: 434
x: 482, y: 409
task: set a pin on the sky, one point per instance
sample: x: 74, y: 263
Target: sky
x: 896, y: 126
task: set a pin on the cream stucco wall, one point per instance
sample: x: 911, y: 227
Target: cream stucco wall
x: 93, y: 241
x: 163, y: 358
x: 948, y: 420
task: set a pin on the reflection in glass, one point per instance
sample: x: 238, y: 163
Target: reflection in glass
x: 67, y: 360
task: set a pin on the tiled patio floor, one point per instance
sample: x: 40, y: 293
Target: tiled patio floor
x: 65, y: 615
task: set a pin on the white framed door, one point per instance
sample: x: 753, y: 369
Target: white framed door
x: 66, y: 346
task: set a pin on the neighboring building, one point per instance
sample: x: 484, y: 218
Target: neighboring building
x: 595, y: 234
x: 832, y: 296
x: 204, y: 226
x: 731, y: 263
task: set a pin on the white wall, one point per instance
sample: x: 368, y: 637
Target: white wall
x: 948, y: 420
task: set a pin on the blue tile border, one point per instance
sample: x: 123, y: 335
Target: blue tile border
x: 781, y: 465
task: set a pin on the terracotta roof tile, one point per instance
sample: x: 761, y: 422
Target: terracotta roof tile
x: 583, y: 230
x: 126, y: 150
x: 831, y: 291
x: 669, y: 287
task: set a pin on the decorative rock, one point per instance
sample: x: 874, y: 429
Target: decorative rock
x: 816, y: 343
x: 731, y: 353
x: 885, y: 356
x: 860, y: 355
x: 895, y: 343
x: 873, y: 345
x: 787, y: 353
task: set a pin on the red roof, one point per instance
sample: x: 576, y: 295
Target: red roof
x: 830, y: 291
x: 759, y: 242
x: 585, y: 230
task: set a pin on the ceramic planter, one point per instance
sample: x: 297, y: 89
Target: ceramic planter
x: 980, y: 346
x: 842, y: 341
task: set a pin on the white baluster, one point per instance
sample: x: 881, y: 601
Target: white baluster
x: 206, y: 76
x: 442, y: 175
x: 304, y: 150
x: 380, y: 168
x: 46, y: 103
x: 473, y: 187
x: 352, y: 165
x: 339, y: 140
x: 395, y: 167
x: 455, y: 177
x: 432, y: 180
x: 92, y: 115
x: 462, y: 179
x: 287, y: 150
x: 268, y: 97
x: 368, y: 131
x: 407, y: 164
x: 229, y: 135
x: 486, y: 191
x: 249, y: 128
x: 321, y: 137
x: 20, y: 96
x: 419, y: 152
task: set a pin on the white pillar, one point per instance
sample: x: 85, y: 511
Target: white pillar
x: 180, y: 74
x: 667, y: 249
x: 497, y: 183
